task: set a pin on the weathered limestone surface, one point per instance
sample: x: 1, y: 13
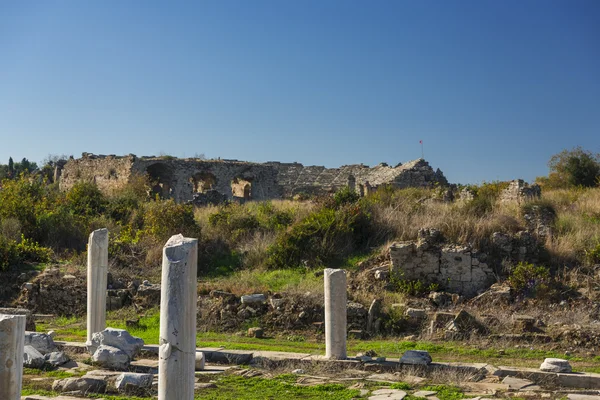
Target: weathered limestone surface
x: 177, y: 351
x: 12, y: 336
x: 335, y: 313
x: 180, y: 179
x: 97, y: 270
x: 457, y: 269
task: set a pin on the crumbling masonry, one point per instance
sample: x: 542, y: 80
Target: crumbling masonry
x: 186, y: 179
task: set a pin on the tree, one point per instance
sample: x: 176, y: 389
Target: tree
x: 576, y: 167
x: 11, y: 168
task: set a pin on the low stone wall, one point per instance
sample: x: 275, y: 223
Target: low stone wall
x: 519, y: 191
x: 456, y: 269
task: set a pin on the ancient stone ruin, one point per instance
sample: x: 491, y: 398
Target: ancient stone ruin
x: 210, y: 180
x: 457, y: 269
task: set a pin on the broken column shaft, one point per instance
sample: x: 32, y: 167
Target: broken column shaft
x: 97, y: 270
x: 177, y: 351
x: 12, y: 340
x: 335, y: 313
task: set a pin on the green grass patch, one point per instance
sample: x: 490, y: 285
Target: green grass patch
x: 237, y: 387
x: 444, y: 392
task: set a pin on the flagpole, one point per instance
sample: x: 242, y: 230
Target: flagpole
x: 422, y: 153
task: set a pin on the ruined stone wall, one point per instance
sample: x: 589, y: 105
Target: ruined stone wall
x: 457, y: 269
x: 296, y: 178
x: 108, y: 172
x: 519, y: 191
x: 180, y: 179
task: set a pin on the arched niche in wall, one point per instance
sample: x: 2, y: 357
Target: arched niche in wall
x: 203, y: 181
x: 241, y: 188
x: 160, y: 176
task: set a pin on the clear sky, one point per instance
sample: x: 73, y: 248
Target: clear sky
x: 493, y: 88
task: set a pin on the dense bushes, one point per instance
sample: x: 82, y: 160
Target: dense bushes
x: 15, y: 253
x: 63, y: 220
x: 529, y: 280
x: 326, y: 235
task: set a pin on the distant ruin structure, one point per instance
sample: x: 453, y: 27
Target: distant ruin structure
x: 186, y: 179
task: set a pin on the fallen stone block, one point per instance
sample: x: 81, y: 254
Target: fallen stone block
x: 111, y: 358
x: 555, y: 365
x: 32, y: 358
x: 416, y: 357
x: 129, y: 382
x: 254, y: 299
x: 256, y: 332
x: 519, y: 384
x: 42, y: 342
x: 381, y: 394
x: 85, y: 385
x: 57, y: 358
x: 200, y: 361
x: 119, y: 338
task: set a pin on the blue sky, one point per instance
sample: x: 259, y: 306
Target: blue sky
x: 493, y: 88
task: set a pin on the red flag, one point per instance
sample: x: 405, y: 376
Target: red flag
x: 420, y: 141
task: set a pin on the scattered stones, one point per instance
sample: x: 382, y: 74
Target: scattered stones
x: 524, y: 323
x: 42, y: 342
x: 129, y: 382
x: 253, y: 299
x: 276, y: 303
x: 256, y: 332
x: 555, y: 365
x: 464, y: 323
x: 147, y: 295
x: 111, y: 358
x: 298, y: 371
x: 416, y: 357
x: 32, y: 358
x: 382, y: 274
x: 416, y: 314
x: 82, y: 385
x: 440, y: 299
x: 57, y: 358
x: 219, y: 294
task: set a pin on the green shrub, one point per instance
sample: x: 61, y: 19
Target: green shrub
x: 21, y: 199
x: 59, y: 228
x: 15, y: 253
x: 593, y: 255
x: 85, y: 199
x: 486, y: 195
x: 538, y: 207
x: 530, y: 280
x: 412, y: 287
x: 344, y: 196
x: 162, y: 219
x: 323, y: 236
x: 270, y: 218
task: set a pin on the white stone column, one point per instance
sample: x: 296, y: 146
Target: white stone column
x: 178, y: 295
x: 12, y: 341
x: 335, y: 313
x: 97, y: 270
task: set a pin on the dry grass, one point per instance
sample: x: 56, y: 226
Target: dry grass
x: 577, y: 227
x: 455, y: 220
